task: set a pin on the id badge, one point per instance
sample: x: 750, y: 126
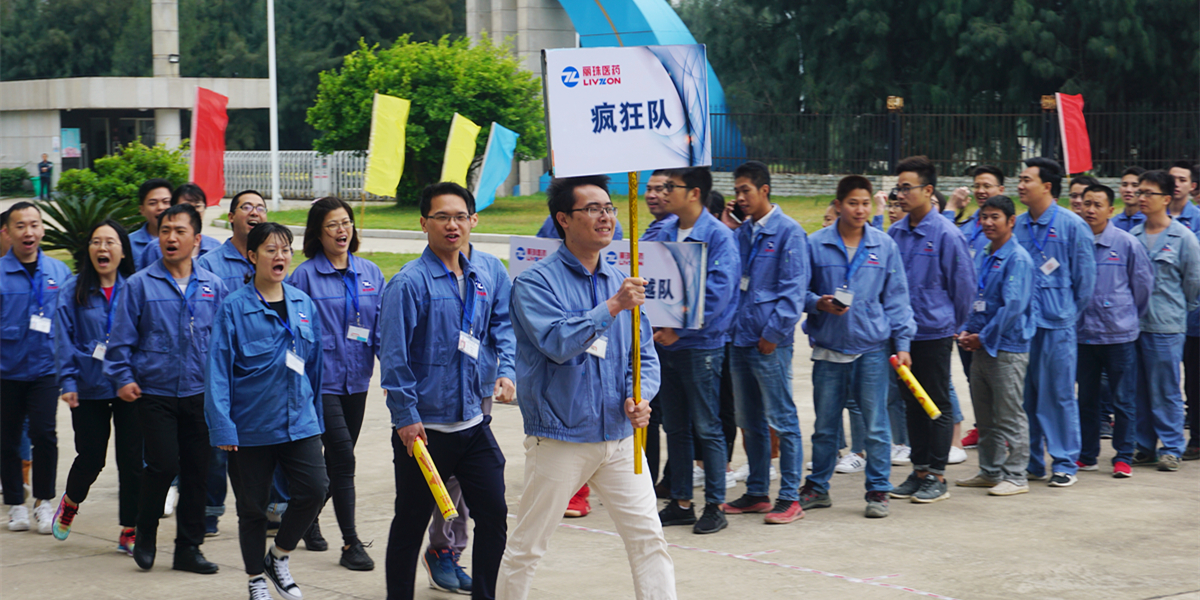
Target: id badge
x: 468, y: 344
x: 1049, y: 266
x: 599, y: 347
x: 745, y: 285
x: 295, y: 363
x: 99, y: 350
x: 358, y: 334
x: 980, y: 306
x: 39, y: 324
x: 844, y: 295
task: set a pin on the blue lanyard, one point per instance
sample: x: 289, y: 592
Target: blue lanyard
x: 112, y: 303
x: 468, y: 321
x: 352, y: 288
x: 595, y: 292
x: 192, y: 286
x: 281, y: 320
x: 35, y: 287
x: 1041, y: 246
x: 755, y: 247
x: 859, y: 256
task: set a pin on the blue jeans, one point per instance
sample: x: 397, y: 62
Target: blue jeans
x: 897, y: 412
x: 690, y: 396
x: 865, y: 380
x: 1159, y: 400
x: 858, y: 429
x: 218, y: 466
x: 762, y: 389
x: 1050, y: 401
x: 955, y: 410
x: 1119, y: 363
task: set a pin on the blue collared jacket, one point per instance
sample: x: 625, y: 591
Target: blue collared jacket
x: 939, y: 270
x: 500, y: 347
x: 558, y: 312
x: 228, y: 264
x: 655, y: 225
x: 426, y: 377
x: 1125, y: 222
x: 153, y: 251
x: 140, y: 239
x: 1124, y: 281
x: 1176, y: 260
x: 777, y: 263
x: 1006, y: 323
x: 252, y: 398
x: 27, y: 355
x: 971, y: 230
x: 548, y: 231
x: 721, y: 283
x: 881, y: 311
x: 348, y: 363
x: 1059, y: 297
x: 77, y: 330
x: 1189, y: 217
x: 160, y: 340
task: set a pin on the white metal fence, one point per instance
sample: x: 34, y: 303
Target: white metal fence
x: 252, y: 170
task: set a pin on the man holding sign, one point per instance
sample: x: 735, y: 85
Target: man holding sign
x: 574, y: 343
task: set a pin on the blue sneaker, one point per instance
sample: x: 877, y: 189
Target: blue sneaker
x: 464, y: 580
x: 441, y: 567
x: 210, y: 526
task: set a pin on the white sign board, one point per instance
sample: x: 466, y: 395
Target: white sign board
x: 322, y: 186
x: 611, y: 110
x: 676, y: 271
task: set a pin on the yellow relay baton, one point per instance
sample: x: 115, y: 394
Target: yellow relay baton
x: 436, y: 485
x: 915, y: 386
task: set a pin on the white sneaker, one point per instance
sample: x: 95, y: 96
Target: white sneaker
x: 742, y: 473
x: 43, y: 513
x: 730, y: 479
x: 808, y: 465
x: 697, y: 476
x: 18, y: 518
x: 957, y: 455
x: 901, y: 454
x: 774, y: 473
x: 850, y: 463
x: 172, y: 497
x: 259, y: 589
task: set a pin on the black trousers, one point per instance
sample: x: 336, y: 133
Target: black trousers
x: 343, y: 422
x: 474, y: 457
x: 91, y: 421
x: 37, y: 400
x: 176, y: 444
x: 251, y: 470
x: 930, y: 438
x: 1191, y: 388
x: 728, y: 412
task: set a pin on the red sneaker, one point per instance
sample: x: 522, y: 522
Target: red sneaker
x: 971, y: 440
x: 579, y: 506
x: 785, y: 511
x: 1122, y: 470
x: 125, y: 542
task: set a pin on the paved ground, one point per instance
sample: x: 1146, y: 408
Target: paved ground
x: 1102, y: 538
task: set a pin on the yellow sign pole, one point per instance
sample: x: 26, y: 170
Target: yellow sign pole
x: 639, y: 435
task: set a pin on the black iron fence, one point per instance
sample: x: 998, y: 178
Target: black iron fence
x: 956, y: 138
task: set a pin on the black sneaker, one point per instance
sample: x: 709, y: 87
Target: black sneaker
x: 877, y: 505
x: 1062, y: 480
x: 190, y: 559
x: 278, y: 573
x: 1145, y: 458
x: 748, y: 504
x: 932, y: 490
x: 355, y: 558
x: 1106, y: 429
x: 810, y: 498
x: 1192, y: 453
x: 674, y: 514
x: 906, y: 490
x: 712, y: 520
x: 313, y: 540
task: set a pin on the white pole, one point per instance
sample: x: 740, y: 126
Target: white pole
x: 274, y: 112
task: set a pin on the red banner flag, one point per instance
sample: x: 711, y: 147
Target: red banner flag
x: 1077, y: 148
x: 209, y: 120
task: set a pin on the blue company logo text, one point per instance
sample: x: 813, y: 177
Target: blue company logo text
x: 570, y: 77
x: 520, y: 253
x: 610, y: 257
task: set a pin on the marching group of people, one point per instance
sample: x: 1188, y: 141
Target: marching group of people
x: 214, y: 362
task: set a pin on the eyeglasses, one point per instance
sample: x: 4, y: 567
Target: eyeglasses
x: 106, y: 244
x: 906, y: 189
x: 983, y: 187
x: 442, y: 218
x: 249, y: 208
x: 333, y: 226
x: 667, y: 187
x: 1145, y: 193
x: 594, y: 211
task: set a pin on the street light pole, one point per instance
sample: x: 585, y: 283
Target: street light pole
x: 274, y: 110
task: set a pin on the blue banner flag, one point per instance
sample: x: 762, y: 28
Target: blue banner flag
x: 497, y: 163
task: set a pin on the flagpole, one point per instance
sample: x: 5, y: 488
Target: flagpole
x: 274, y: 111
x: 639, y: 434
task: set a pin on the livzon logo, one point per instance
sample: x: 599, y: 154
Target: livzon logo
x: 570, y: 77
x: 520, y: 253
x: 610, y: 257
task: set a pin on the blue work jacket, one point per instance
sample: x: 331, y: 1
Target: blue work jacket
x: 776, y: 259
x: 26, y: 355
x: 1004, y: 284
x: 1125, y: 222
x: 252, y: 398
x: 939, y: 270
x: 724, y: 272
x: 342, y: 301
x: 139, y: 240
x: 160, y: 335
x: 500, y: 347
x: 1189, y: 217
x: 566, y: 393
x: 426, y: 377
x: 1124, y: 281
x: 973, y: 233
x: 77, y: 330
x: 655, y: 225
x: 548, y: 230
x: 881, y: 310
x: 228, y: 264
x: 1059, y: 297
x: 153, y: 252
x: 1176, y: 260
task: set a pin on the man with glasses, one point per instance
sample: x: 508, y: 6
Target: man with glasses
x: 692, y: 358
x: 1075, y: 192
x: 1063, y: 250
x: 435, y: 314
x: 571, y: 317
x: 1127, y: 219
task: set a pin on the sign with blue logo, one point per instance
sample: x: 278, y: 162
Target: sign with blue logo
x: 570, y: 77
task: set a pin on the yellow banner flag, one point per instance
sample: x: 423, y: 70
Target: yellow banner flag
x: 460, y: 150
x: 385, y: 162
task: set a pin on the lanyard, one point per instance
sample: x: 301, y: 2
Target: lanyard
x: 1041, y: 246
x: 352, y: 289
x: 468, y: 321
x: 859, y: 256
x: 35, y: 288
x: 595, y: 293
x: 112, y: 303
x: 755, y: 246
x: 281, y: 320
